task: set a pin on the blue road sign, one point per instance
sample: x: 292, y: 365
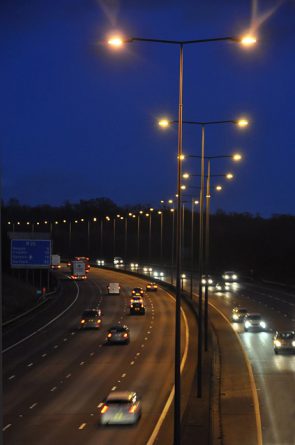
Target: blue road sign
x: 30, y: 253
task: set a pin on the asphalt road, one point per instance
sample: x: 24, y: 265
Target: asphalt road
x: 274, y: 374
x: 55, y: 379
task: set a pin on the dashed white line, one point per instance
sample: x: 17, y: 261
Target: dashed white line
x: 55, y: 346
x: 100, y: 405
x: 132, y: 363
x: 53, y: 389
x: 113, y: 388
x: 91, y: 354
x: 11, y: 377
x: 68, y: 376
x: 65, y: 339
x: 82, y: 363
x: 82, y: 426
x: 30, y: 364
x: 138, y: 353
x: 123, y: 376
x: 34, y: 404
x: 7, y: 426
x: 44, y: 355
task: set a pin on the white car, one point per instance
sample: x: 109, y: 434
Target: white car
x: 230, y: 276
x: 207, y: 279
x: 120, y: 408
x: 118, y: 261
x: 100, y: 262
x: 254, y: 322
x: 114, y: 289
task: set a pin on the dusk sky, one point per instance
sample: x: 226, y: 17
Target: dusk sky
x: 79, y: 120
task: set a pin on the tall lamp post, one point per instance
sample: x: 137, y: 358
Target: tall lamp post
x: 161, y: 235
x: 117, y: 42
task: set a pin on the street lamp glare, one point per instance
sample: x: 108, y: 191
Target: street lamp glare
x: 218, y: 188
x: 116, y: 41
x: 196, y: 202
x: 170, y: 201
x: 248, y: 40
x: 237, y: 157
x: 186, y: 175
x: 164, y: 123
x: 181, y: 157
x: 183, y: 187
x: 243, y: 123
x: 229, y: 176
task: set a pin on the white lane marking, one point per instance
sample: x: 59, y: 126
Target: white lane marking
x: 82, y: 426
x: 113, y: 388
x: 55, y: 346
x: 145, y: 338
x: 156, y: 430
x: 7, y: 426
x: 65, y: 339
x: 142, y: 346
x: 138, y: 353
x: 33, y: 406
x: 132, y: 363
x: 100, y: 405
x: 53, y: 389
x: 73, y: 333
x: 30, y: 364
x: 44, y: 355
x: 68, y: 376
x: 123, y: 376
x: 47, y: 324
x: 91, y: 354
x: 11, y: 377
x: 82, y: 363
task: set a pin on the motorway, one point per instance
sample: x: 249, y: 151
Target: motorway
x: 55, y: 376
x: 274, y: 374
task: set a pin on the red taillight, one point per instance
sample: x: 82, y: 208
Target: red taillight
x: 132, y: 409
x: 125, y: 335
x: 82, y: 321
x: 109, y: 335
x: 104, y: 409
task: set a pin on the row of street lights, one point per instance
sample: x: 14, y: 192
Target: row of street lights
x: 117, y: 42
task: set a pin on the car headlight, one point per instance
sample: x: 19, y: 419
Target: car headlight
x: 210, y: 281
x: 263, y: 324
x: 235, y: 277
x: 235, y: 317
x: 278, y: 344
x: 226, y: 277
x: 293, y: 343
x: 218, y: 287
x: 203, y: 281
x: 247, y: 324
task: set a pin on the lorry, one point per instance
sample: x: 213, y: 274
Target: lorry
x: 78, y: 270
x: 55, y: 261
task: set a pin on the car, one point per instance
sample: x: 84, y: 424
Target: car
x: 136, y: 306
x: 118, y: 334
x: 239, y: 313
x: 114, y: 288
x: 91, y: 318
x: 99, y: 262
x: 207, y: 280
x: 284, y: 341
x: 230, y: 276
x: 120, y: 407
x: 118, y: 261
x: 151, y: 287
x: 222, y: 287
x: 137, y: 291
x: 253, y: 321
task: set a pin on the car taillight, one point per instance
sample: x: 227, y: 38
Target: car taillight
x: 132, y: 409
x: 104, y: 409
x: 82, y: 321
x: 109, y: 335
x: 125, y: 335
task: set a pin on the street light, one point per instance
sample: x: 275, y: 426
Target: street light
x: 117, y: 42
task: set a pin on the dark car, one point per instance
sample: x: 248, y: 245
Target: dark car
x: 136, y: 306
x: 284, y: 342
x: 151, y: 287
x: 91, y: 318
x: 239, y: 313
x: 118, y: 334
x: 137, y: 291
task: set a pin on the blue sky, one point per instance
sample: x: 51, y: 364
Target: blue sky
x: 78, y: 121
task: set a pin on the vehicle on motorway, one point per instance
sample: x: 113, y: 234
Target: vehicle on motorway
x: 151, y: 287
x: 133, y: 265
x: 86, y: 261
x: 207, y: 280
x: 78, y: 270
x: 91, y: 318
x: 137, y: 291
x: 120, y: 407
x: 136, y: 306
x: 99, y: 262
x: 238, y: 314
x: 230, y: 276
x: 118, y: 334
x: 222, y: 287
x: 114, y: 289
x: 55, y: 262
x: 254, y: 322
x: 118, y: 261
x: 284, y: 341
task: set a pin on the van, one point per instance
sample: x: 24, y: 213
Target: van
x: 114, y: 288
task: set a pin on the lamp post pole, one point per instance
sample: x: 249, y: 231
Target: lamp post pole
x: 207, y: 255
x: 114, y: 237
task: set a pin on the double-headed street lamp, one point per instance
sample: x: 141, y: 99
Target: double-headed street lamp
x: 117, y: 42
